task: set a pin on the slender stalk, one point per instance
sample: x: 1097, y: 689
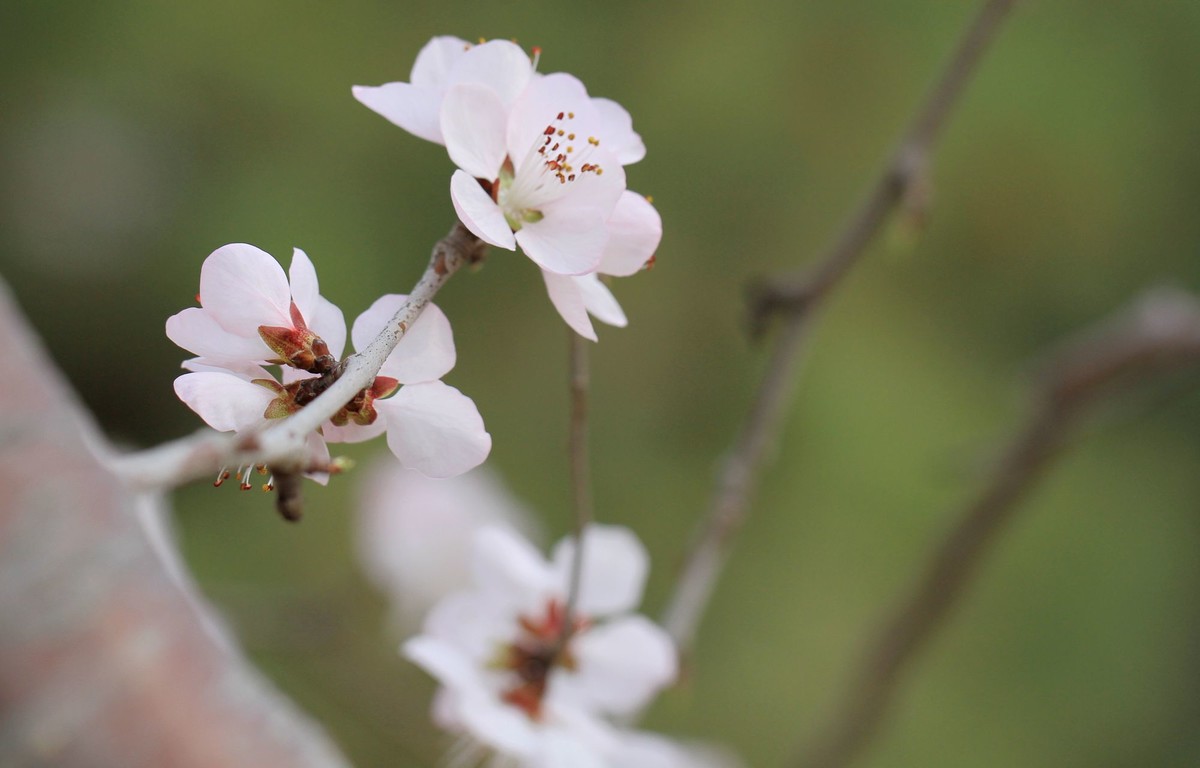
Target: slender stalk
x: 578, y: 382
x: 1160, y: 333
x: 282, y: 443
x: 798, y: 300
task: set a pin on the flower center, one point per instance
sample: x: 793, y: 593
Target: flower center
x: 555, y: 160
x: 541, y: 647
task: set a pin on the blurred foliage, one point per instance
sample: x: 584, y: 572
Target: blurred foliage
x: 138, y: 136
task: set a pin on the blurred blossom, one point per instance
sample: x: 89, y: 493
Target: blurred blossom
x: 252, y: 315
x: 530, y: 682
x: 540, y: 166
x: 415, y: 533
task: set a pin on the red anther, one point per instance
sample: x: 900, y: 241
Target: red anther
x: 560, y: 116
x: 536, y: 50
x: 549, y: 130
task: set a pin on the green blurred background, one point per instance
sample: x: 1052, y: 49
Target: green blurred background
x: 137, y: 136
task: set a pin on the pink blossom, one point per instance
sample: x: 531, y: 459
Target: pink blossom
x: 251, y: 315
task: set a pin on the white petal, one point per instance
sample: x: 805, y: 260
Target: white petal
x: 329, y: 323
x: 196, y: 330
x: 241, y: 369
x: 621, y: 665
x: 500, y: 65
x: 640, y: 749
x: 426, y: 353
x: 571, y: 243
x: 615, y: 565
x: 473, y: 122
x: 411, y: 107
x: 436, y: 59
x: 443, y: 661
x: 567, y: 298
x: 479, y: 213
x: 353, y: 433
x: 508, y: 568
x: 559, y: 747
x: 244, y: 287
x: 502, y: 727
x: 600, y: 301
x: 302, y: 277
x: 539, y: 106
x: 634, y: 232
x: 617, y: 131
x: 435, y: 429
x: 226, y: 402
x: 317, y: 453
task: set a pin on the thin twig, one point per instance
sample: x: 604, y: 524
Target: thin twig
x: 282, y: 443
x: 581, y: 486
x: 1161, y: 332
x: 797, y: 299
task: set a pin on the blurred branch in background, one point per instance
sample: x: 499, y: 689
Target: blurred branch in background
x: 578, y: 382
x: 1159, y: 333
x: 107, y: 657
x: 796, y: 299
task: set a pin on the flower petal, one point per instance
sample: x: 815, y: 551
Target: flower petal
x: 411, y: 107
x: 567, y: 298
x: 616, y: 128
x: 479, y: 213
x: 501, y: 65
x: 436, y: 59
x: 196, y: 330
x: 329, y: 323
x: 615, y: 565
x: 539, y: 106
x: 509, y: 569
x: 634, y: 232
x: 502, y: 727
x: 426, y: 353
x: 244, y: 287
x: 435, y: 429
x: 226, y: 402
x: 599, y: 300
x: 353, y: 433
x: 302, y: 279
x: 620, y: 666
x: 473, y: 120
x: 317, y: 453
x: 570, y: 243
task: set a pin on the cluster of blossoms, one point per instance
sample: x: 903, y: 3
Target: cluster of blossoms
x: 522, y: 683
x: 252, y: 315
x: 539, y: 661
x: 540, y: 166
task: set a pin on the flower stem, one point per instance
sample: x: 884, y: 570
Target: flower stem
x: 578, y: 381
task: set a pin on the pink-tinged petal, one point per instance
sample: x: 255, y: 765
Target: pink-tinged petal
x: 241, y: 369
x: 621, y: 665
x: 616, y: 128
x: 640, y: 749
x: 568, y: 300
x: 317, y: 453
x: 411, y: 107
x: 599, y: 300
x: 634, y: 232
x: 244, y: 287
x: 435, y: 429
x: 479, y: 213
x: 539, y: 107
x: 615, y: 565
x: 472, y: 623
x: 500, y: 65
x: 473, y: 120
x: 591, y: 191
x: 508, y: 568
x: 560, y: 747
x: 426, y: 353
x: 499, y: 726
x: 353, y: 433
x: 226, y: 402
x: 436, y: 59
x: 302, y: 277
x: 329, y: 323
x: 197, y: 331
x: 442, y: 660
x: 570, y: 243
